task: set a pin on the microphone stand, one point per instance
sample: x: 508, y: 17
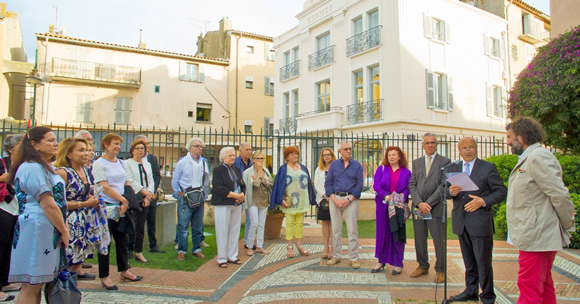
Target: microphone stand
x: 444, y: 221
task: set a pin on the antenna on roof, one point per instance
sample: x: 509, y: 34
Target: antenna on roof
x: 141, y: 44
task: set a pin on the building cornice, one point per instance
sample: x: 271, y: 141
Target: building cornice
x: 84, y: 42
x: 252, y: 35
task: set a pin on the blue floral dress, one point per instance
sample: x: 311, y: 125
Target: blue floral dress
x: 87, y: 226
x: 35, y: 248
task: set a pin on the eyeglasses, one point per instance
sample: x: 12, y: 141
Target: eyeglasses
x: 325, y: 155
x: 139, y: 148
x: 347, y: 149
x: 259, y: 158
x: 197, y: 146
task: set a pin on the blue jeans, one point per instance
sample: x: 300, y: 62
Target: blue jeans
x: 186, y: 216
x: 247, y: 230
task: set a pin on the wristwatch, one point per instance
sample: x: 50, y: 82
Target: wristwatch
x: 348, y: 199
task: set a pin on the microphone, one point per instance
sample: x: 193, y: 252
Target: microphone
x: 451, y: 164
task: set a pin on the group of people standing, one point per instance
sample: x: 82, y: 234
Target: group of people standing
x: 64, y: 202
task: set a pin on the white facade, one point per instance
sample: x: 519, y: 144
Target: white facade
x: 88, y: 82
x: 396, y: 66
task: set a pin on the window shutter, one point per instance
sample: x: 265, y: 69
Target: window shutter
x: 266, y: 85
x: 126, y: 110
x: 485, y: 44
x: 118, y: 110
x: 450, y: 93
x: 87, y: 110
x: 501, y: 105
x: 430, y: 89
x: 444, y: 93
x: 501, y: 48
x: 201, y: 77
x: 79, y: 109
x: 489, y: 99
x: 427, y: 26
x: 182, y: 70
x: 447, y: 32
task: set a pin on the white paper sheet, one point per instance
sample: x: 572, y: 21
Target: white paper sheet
x: 464, y: 181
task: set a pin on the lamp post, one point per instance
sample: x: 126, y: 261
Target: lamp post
x: 34, y: 79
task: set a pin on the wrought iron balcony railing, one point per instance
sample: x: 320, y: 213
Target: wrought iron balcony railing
x: 363, y: 41
x: 321, y: 58
x: 94, y: 71
x: 288, y: 125
x: 364, y: 112
x: 290, y: 71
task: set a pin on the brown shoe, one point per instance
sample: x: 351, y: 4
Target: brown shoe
x: 199, y: 255
x: 419, y: 272
x: 181, y: 256
x: 439, y: 277
x: 355, y: 264
x: 333, y: 261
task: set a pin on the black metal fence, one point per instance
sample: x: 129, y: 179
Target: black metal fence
x: 169, y: 144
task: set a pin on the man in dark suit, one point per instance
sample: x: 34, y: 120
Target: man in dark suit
x: 425, y: 188
x: 473, y: 221
x: 152, y: 159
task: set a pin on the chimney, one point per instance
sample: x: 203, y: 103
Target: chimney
x: 225, y: 24
x: 51, y: 29
x: 141, y: 44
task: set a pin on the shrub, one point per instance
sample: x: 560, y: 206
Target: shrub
x: 576, y: 235
x: 504, y: 163
x: 570, y: 171
x: 501, y: 221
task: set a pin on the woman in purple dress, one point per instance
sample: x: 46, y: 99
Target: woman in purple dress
x: 391, y: 184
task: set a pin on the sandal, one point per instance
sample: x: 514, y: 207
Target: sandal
x: 223, y: 265
x: 262, y: 250
x: 236, y: 261
x: 290, y: 251
x: 302, y: 251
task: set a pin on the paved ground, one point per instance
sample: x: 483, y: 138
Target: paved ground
x: 273, y: 278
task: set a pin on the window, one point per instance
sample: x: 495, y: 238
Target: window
x: 188, y: 71
x: 269, y: 86
x: 494, y: 96
x: 250, y: 49
x: 286, y: 58
x: 357, y: 25
x: 530, y: 53
x: 323, y: 96
x: 286, y: 100
x: 514, y: 52
x: 322, y: 41
x: 295, y: 54
x: 203, y: 112
x: 269, y: 52
x: 248, y: 126
x: 157, y: 89
x: 373, y: 17
x: 436, y: 29
x: 83, y: 108
x: 492, y: 46
x: 268, y: 126
x: 375, y: 83
x: 439, y: 91
x: 295, y: 102
x: 189, y: 113
x: 249, y: 82
x: 122, y: 110
x: 358, y: 87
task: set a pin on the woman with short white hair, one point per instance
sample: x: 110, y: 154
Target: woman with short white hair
x: 227, y: 196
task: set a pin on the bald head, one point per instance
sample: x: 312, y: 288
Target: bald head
x: 467, y: 148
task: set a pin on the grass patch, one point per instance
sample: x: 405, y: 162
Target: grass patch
x: 168, y: 260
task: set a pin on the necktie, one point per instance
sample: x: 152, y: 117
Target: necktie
x: 428, y: 165
x: 467, y: 171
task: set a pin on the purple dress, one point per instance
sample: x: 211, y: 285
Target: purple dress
x: 388, y: 249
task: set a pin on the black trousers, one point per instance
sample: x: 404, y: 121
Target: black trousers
x: 476, y: 252
x: 137, y: 235
x: 151, y: 214
x: 121, y: 244
x: 7, y: 223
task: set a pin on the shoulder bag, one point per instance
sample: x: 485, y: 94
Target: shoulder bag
x: 63, y: 289
x: 194, y: 196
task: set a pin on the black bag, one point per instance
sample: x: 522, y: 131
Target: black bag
x: 63, y: 289
x: 194, y: 197
x: 323, y: 205
x: 130, y: 195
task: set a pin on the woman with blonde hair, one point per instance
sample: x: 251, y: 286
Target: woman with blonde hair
x: 323, y: 213
x: 294, y: 191
x: 86, y: 219
x: 258, y: 187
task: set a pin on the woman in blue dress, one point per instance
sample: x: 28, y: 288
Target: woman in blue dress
x: 40, y: 230
x: 86, y: 219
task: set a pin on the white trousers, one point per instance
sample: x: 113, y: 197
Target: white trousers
x: 227, y: 232
x: 257, y: 221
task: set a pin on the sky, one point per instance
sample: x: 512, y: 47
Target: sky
x: 169, y: 25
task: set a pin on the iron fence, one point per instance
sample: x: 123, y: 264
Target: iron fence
x: 169, y: 145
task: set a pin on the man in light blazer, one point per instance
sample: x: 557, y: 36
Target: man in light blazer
x: 425, y: 188
x: 472, y: 220
x: 539, y: 210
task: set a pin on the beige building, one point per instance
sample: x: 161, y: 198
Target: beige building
x: 14, y: 66
x: 565, y: 14
x: 528, y: 29
x: 91, y: 82
x: 250, y: 85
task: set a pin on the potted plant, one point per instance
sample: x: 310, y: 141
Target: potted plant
x: 273, y: 226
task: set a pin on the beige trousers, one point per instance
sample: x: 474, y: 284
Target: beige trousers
x: 350, y: 217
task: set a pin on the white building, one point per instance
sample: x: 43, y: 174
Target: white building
x: 392, y: 66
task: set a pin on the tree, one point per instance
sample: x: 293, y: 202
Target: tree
x: 548, y: 89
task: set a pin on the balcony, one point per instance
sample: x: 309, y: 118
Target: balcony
x: 327, y: 118
x: 288, y: 125
x: 321, y: 58
x: 290, y: 71
x: 364, y: 112
x: 363, y: 41
x: 93, y: 72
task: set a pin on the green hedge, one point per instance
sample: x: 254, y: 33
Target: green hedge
x: 571, y: 176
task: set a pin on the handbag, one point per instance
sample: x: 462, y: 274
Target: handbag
x: 63, y: 289
x: 323, y: 205
x: 130, y: 195
x: 193, y: 197
x: 4, y: 192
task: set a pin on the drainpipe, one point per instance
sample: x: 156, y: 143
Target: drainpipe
x: 237, y: 76
x: 508, y: 50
